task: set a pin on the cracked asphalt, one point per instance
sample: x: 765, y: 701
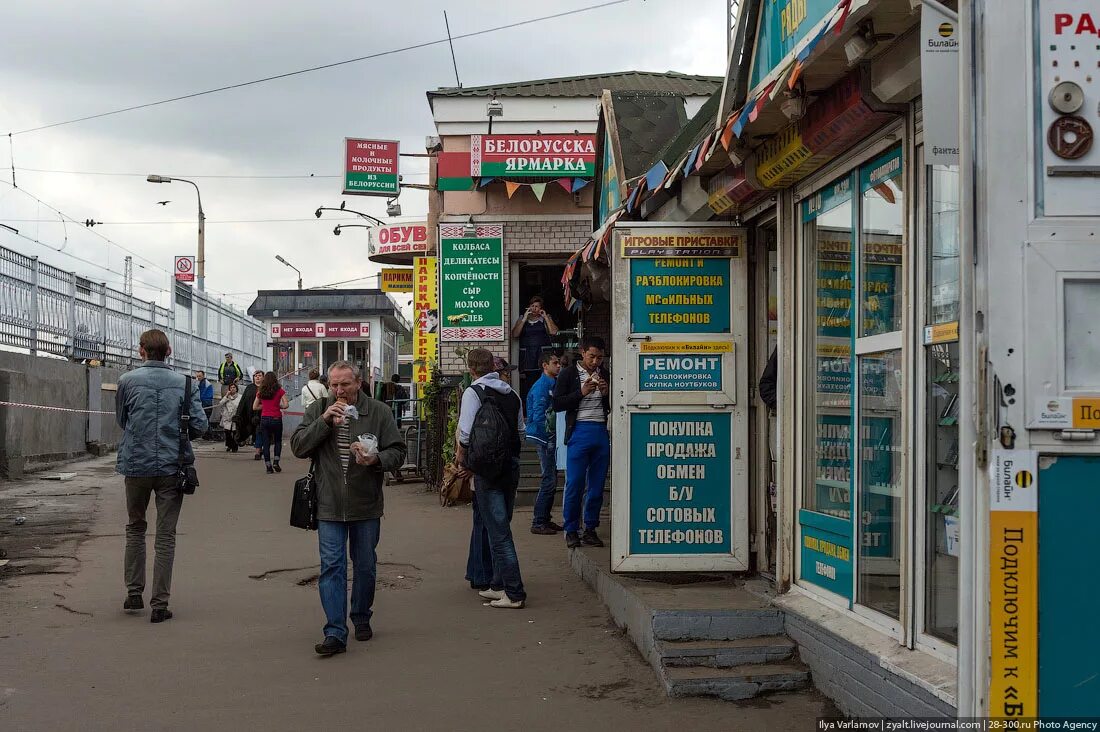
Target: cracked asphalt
x: 239, y: 652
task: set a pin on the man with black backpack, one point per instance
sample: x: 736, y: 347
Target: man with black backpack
x: 490, y: 424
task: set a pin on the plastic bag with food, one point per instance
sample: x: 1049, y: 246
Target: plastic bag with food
x: 369, y: 443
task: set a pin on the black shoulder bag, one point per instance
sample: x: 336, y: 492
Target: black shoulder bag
x: 187, y: 478
x: 303, y: 504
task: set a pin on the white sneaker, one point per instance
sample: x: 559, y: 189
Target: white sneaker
x: 507, y: 603
x: 491, y: 594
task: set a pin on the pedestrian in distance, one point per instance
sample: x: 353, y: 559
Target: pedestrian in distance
x: 583, y: 393
x: 490, y: 426
x: 148, y: 407
x: 352, y: 440
x: 313, y: 389
x: 229, y: 373
x: 248, y: 419
x: 206, y: 396
x: 535, y: 330
x: 541, y: 429
x: 270, y: 402
x: 229, y: 403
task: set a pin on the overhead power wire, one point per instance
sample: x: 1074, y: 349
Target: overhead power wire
x: 184, y: 175
x: 413, y: 47
x: 191, y: 222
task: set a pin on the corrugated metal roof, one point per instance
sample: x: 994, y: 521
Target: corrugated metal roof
x: 300, y: 303
x: 646, y: 122
x: 592, y: 85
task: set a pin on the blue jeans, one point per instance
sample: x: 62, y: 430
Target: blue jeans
x: 544, y: 502
x: 479, y: 565
x: 333, y: 538
x: 585, y: 473
x: 496, y: 500
x: 271, y: 433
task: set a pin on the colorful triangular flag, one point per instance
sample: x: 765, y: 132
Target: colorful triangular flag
x: 512, y: 187
x: 702, y: 156
x: 743, y: 118
x: 846, y: 7
x: 727, y: 132
x: 689, y: 165
x: 761, y: 101
x: 484, y: 182
x: 566, y: 183
x: 579, y: 183
x: 656, y: 175
x: 538, y: 189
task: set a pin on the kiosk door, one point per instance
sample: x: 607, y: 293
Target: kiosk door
x: 680, y: 398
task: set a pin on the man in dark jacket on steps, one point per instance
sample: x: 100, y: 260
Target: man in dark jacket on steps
x: 349, y: 496
x: 582, y: 392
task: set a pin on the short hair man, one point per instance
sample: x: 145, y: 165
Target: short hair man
x: 541, y: 428
x: 349, y: 496
x: 229, y: 373
x: 493, y: 565
x: 583, y: 393
x: 147, y: 408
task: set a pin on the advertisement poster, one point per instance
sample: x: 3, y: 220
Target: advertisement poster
x: 680, y: 295
x: 396, y: 280
x: 680, y: 483
x: 471, y: 283
x: 939, y: 67
x: 425, y: 319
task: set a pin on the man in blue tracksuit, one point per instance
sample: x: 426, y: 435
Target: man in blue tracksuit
x: 540, y: 431
x: 583, y: 392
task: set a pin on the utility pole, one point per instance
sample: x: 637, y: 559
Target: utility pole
x: 128, y: 277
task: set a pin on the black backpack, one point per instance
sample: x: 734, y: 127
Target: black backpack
x: 491, y: 438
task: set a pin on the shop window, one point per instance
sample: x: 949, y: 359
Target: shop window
x: 880, y: 483
x: 941, y: 361
x: 883, y: 231
x: 828, y: 222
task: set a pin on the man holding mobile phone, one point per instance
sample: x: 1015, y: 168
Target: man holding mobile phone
x: 535, y: 330
x: 583, y: 392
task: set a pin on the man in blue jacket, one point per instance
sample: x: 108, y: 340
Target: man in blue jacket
x: 540, y: 431
x: 147, y: 408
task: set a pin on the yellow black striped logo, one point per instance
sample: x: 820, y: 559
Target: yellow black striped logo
x: 947, y: 30
x: 1024, y: 479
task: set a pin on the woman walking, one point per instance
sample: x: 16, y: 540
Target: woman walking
x: 229, y: 403
x: 270, y: 402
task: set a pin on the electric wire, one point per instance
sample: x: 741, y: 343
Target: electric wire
x: 379, y: 54
x: 184, y: 175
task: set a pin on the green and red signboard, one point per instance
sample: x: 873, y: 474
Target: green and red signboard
x: 370, y: 167
x: 532, y: 156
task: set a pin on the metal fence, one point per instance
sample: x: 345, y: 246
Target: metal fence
x: 48, y: 311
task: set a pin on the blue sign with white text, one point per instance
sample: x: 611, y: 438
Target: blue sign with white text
x: 676, y: 372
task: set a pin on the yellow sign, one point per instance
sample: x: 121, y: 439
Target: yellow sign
x: 426, y: 323
x: 397, y: 280
x: 1086, y: 413
x: 693, y: 244
x: 685, y: 347
x: 942, y: 333
x: 1013, y: 584
x: 782, y: 158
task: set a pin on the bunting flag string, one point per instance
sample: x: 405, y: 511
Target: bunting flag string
x: 511, y: 187
x: 538, y: 189
x: 569, y: 185
x: 566, y: 183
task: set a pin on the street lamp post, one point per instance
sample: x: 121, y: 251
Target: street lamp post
x: 288, y: 264
x: 201, y: 259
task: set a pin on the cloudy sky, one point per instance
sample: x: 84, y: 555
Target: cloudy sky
x: 73, y: 58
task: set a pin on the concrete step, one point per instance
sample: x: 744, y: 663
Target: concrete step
x: 710, y: 625
x: 736, y: 682
x: 726, y: 654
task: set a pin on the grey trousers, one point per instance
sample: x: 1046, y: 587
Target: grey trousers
x: 169, y: 501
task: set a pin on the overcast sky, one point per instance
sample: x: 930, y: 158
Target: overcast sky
x: 71, y: 58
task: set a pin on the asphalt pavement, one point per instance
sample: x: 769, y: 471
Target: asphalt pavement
x: 239, y: 652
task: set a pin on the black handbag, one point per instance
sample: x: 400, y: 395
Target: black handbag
x: 303, y: 505
x: 187, y: 478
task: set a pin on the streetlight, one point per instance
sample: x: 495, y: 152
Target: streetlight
x: 368, y: 217
x: 288, y: 264
x: 202, y: 224
x: 494, y: 108
x: 336, y: 231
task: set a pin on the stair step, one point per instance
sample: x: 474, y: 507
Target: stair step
x: 737, y: 682
x: 726, y: 654
x: 702, y: 625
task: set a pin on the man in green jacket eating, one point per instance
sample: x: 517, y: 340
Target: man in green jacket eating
x: 353, y: 441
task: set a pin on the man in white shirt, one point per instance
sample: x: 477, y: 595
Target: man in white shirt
x: 313, y: 390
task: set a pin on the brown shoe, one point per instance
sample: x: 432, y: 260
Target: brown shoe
x: 543, y: 530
